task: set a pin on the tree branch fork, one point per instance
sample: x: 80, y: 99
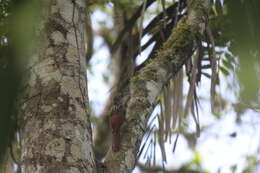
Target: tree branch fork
x: 147, y: 84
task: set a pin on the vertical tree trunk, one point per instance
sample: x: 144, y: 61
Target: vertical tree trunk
x: 54, y: 118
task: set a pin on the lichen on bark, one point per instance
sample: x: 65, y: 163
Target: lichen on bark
x: 52, y: 108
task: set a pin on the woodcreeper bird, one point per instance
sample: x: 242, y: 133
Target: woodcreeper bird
x: 116, y: 120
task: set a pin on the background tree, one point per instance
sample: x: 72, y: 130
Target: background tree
x: 210, y: 50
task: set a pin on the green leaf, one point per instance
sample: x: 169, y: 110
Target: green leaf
x: 224, y: 71
x: 228, y: 64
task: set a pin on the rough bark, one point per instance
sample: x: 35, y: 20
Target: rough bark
x: 148, y: 83
x: 52, y: 108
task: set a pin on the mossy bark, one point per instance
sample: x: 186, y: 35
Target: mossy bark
x: 52, y: 108
x: 148, y: 83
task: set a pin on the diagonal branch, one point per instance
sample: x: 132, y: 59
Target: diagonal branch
x: 146, y: 85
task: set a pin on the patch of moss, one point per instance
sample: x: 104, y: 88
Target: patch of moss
x: 195, y: 4
x: 180, y: 40
x: 138, y: 105
x: 182, y: 36
x: 149, y: 73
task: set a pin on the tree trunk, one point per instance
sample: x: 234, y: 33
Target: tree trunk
x: 53, y: 105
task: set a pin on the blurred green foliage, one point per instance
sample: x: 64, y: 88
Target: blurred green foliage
x: 236, y: 27
x: 243, y: 29
x: 8, y: 77
x: 17, y: 21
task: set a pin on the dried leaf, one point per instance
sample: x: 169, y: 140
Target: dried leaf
x: 167, y: 95
x: 191, y: 98
x: 192, y: 82
x: 177, y: 98
x: 214, y: 69
x: 160, y: 137
x: 195, y: 115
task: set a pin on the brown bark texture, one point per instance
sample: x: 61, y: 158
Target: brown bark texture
x: 53, y: 105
